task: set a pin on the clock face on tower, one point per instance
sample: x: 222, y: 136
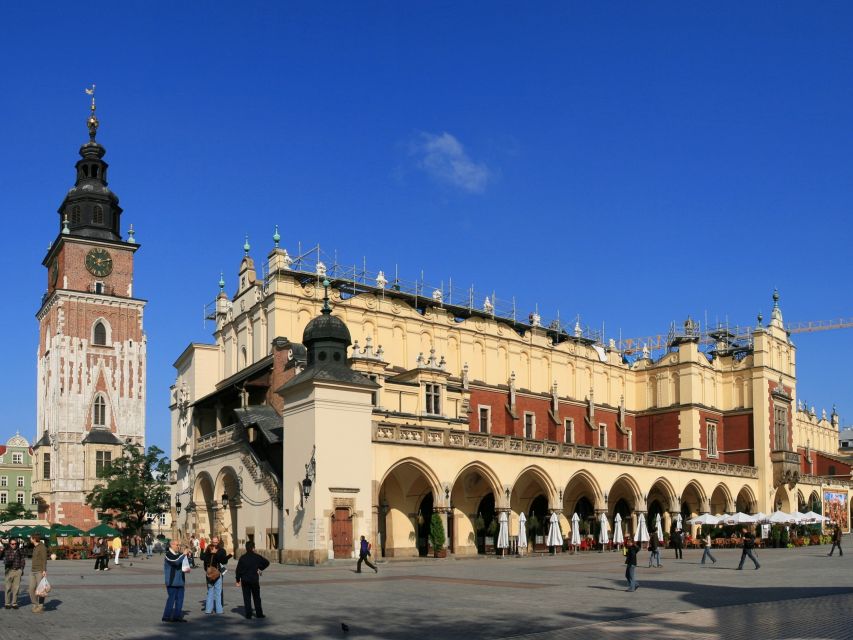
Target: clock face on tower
x: 99, y: 262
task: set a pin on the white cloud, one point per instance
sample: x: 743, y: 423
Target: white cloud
x: 443, y: 157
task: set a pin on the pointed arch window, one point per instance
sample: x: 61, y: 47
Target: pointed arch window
x: 99, y: 335
x: 75, y: 214
x: 98, y: 215
x: 99, y: 412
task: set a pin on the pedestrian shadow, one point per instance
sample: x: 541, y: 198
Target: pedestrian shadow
x: 52, y: 605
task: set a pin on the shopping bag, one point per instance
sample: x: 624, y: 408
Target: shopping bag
x: 185, y: 565
x: 43, y: 588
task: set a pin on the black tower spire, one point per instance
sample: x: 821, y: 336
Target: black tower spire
x: 90, y: 209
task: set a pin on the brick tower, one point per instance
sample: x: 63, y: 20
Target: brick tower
x: 91, y: 355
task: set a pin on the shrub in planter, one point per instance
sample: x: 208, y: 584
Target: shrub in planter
x: 436, y: 535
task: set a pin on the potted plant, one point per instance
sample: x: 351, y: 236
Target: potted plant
x: 436, y: 536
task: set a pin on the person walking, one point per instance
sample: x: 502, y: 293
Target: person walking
x: 836, y: 541
x: 707, y: 553
x: 38, y: 570
x: 748, y: 546
x: 248, y: 573
x: 631, y: 564
x: 149, y: 545
x: 676, y: 541
x: 173, y: 575
x: 654, y: 549
x: 14, y: 561
x: 115, y: 545
x: 363, y: 555
x: 214, y: 560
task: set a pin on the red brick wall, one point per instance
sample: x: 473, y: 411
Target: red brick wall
x: 737, y: 434
x: 71, y: 262
x: 79, y: 319
x: 79, y: 515
x: 658, y: 432
x: 821, y: 465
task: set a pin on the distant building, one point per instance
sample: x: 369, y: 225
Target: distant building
x: 16, y: 473
x: 845, y: 440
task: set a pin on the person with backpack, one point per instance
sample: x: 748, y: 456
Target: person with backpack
x: 748, y: 546
x: 363, y: 555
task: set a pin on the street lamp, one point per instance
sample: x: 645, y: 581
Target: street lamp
x: 224, y: 500
x: 177, y: 504
x: 310, y: 475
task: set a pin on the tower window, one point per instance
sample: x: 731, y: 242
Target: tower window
x: 530, y: 425
x: 780, y: 424
x: 100, y: 334
x: 75, y: 214
x: 85, y: 170
x: 94, y: 171
x: 46, y: 467
x: 103, y: 459
x: 98, y: 214
x: 712, y: 440
x: 569, y: 426
x: 99, y: 412
x: 485, y: 418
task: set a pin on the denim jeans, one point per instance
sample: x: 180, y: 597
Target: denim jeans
x: 707, y: 554
x: 214, y: 597
x: 174, y: 604
x: 149, y: 549
x: 629, y: 576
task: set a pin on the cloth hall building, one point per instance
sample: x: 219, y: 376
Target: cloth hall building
x: 302, y: 428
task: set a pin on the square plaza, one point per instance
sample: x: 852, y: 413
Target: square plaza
x: 797, y: 593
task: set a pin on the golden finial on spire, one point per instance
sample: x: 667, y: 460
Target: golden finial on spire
x: 92, y: 122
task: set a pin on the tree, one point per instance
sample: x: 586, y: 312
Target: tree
x: 14, y: 511
x: 136, y: 486
x: 436, y: 532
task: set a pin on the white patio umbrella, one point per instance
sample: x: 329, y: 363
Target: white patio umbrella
x: 812, y: 517
x: 781, y: 517
x: 503, y: 531
x: 555, y: 538
x: 522, y: 531
x: 705, y: 518
x: 678, y: 524
x: 760, y: 516
x: 576, y: 530
x: 739, y: 518
x: 642, y: 534
x: 659, y: 527
x: 618, y: 538
x: 603, y: 538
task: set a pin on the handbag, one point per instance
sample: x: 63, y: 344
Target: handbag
x: 213, y: 573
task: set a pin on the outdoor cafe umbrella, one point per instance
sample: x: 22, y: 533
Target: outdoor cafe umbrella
x: 678, y: 521
x: 576, y: 530
x: 503, y: 531
x: 522, y: 531
x: 704, y: 519
x: 780, y: 517
x: 554, y: 537
x: 103, y: 531
x: 603, y: 538
x: 68, y: 530
x: 739, y: 518
x: 811, y: 517
x: 659, y: 527
x: 642, y: 534
x: 760, y: 517
x: 617, y: 530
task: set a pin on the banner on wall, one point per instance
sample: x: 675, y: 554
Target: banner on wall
x: 835, y: 508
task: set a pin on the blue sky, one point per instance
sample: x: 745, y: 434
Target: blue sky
x: 629, y: 162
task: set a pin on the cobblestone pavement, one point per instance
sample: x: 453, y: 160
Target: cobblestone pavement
x: 797, y: 593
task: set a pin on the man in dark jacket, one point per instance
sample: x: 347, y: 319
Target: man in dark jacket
x: 676, y: 541
x: 748, y: 546
x: 836, y: 541
x: 363, y: 554
x: 14, y: 561
x: 174, y: 576
x: 248, y: 572
x: 631, y: 564
x: 654, y: 549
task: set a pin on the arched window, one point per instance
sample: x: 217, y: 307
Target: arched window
x: 99, y: 412
x: 100, y: 334
x: 98, y: 215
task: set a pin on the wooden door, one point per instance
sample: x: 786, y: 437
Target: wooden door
x: 342, y: 533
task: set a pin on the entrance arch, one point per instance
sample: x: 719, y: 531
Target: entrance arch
x: 625, y: 498
x: 407, y: 490
x: 662, y: 499
x: 474, y: 485
x: 581, y: 496
x: 203, y: 506
x: 227, y: 511
x: 782, y: 500
x: 721, y: 500
x: 746, y: 502
x: 533, y: 494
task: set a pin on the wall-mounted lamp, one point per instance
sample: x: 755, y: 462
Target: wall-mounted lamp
x: 224, y: 500
x: 177, y: 504
x: 310, y: 475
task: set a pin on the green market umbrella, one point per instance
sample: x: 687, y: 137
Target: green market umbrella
x: 103, y: 531
x: 18, y: 532
x: 44, y: 532
x: 68, y: 530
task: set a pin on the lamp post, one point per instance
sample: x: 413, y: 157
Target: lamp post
x: 310, y: 476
